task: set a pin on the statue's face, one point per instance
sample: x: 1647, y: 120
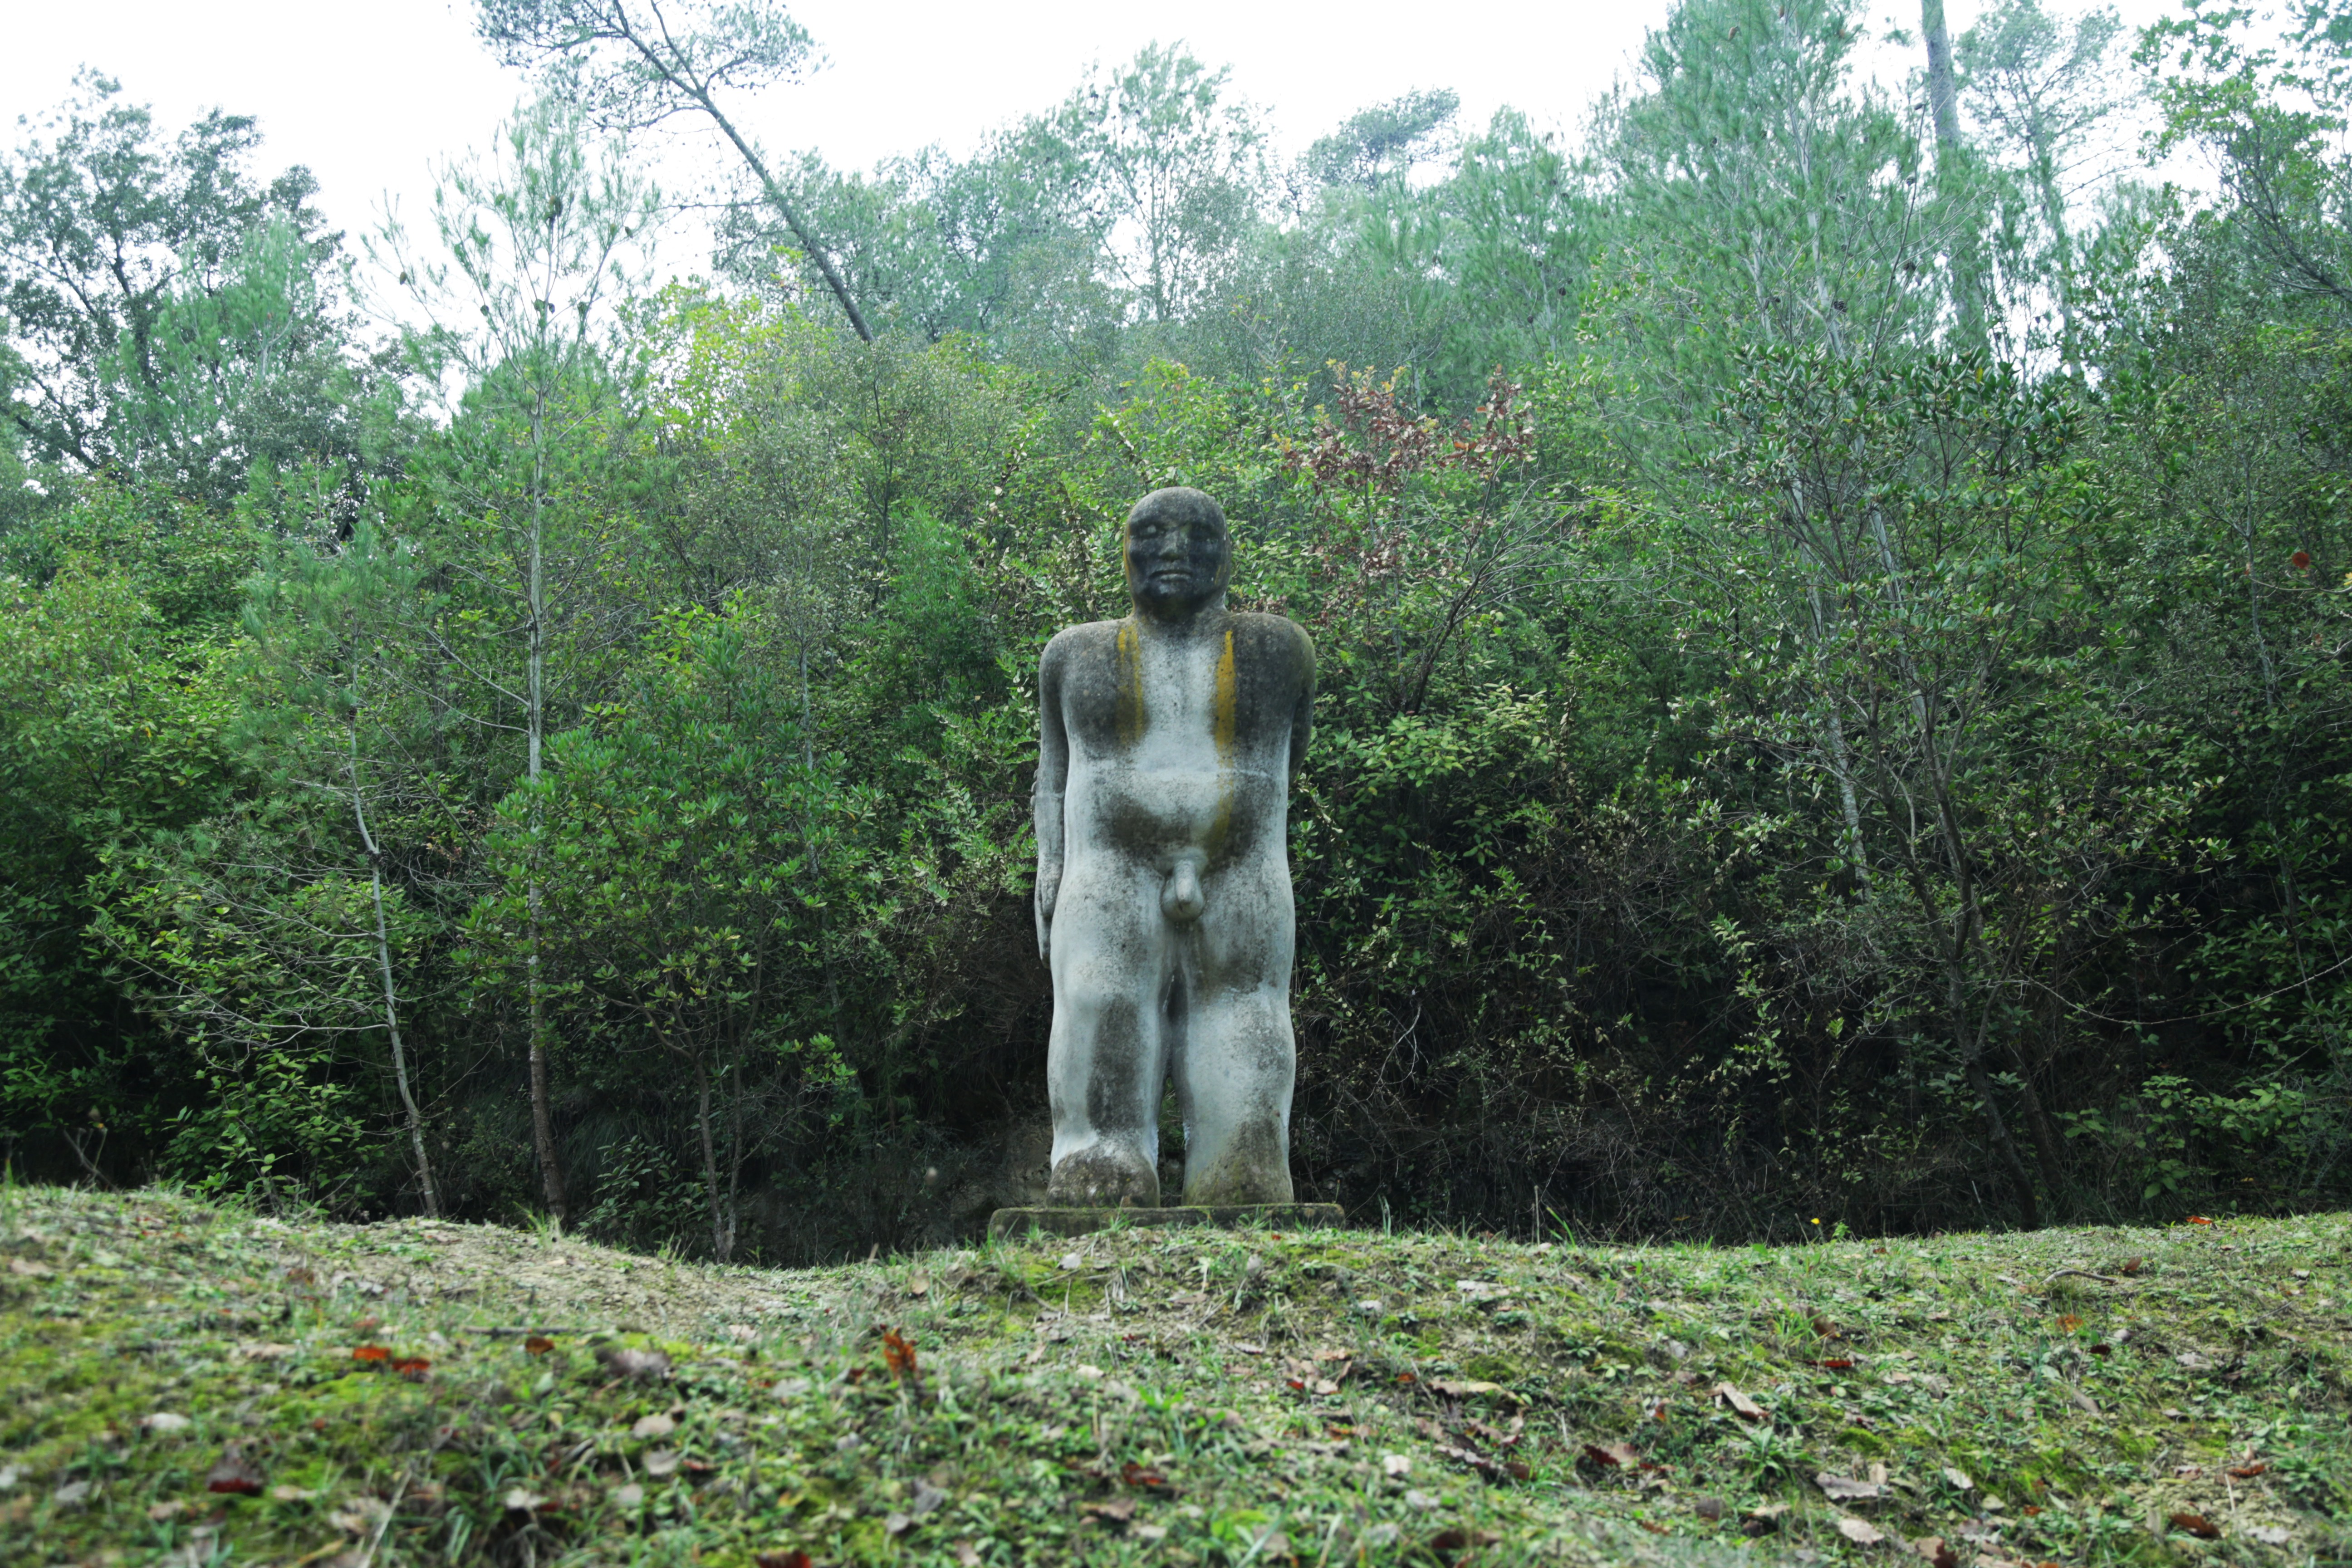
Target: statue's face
x: 1179, y: 557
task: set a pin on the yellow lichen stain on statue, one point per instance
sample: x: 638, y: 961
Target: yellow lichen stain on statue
x: 1225, y: 706
x: 1131, y: 683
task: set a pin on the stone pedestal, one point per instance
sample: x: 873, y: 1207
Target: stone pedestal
x: 1011, y: 1224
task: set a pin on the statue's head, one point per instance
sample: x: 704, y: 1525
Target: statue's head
x: 1179, y: 555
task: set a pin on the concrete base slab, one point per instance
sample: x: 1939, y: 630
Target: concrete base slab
x: 1013, y: 1224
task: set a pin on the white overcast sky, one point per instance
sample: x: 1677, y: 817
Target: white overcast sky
x: 371, y: 95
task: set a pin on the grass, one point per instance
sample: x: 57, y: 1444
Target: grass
x: 1166, y: 1397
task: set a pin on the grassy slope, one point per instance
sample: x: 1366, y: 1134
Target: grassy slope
x: 1300, y: 1395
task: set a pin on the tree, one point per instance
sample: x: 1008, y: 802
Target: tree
x: 632, y: 69
x: 1384, y: 144
x: 540, y: 244
x: 692, y: 848
x: 169, y: 317
x: 2040, y: 89
x: 2274, y: 117
x: 1179, y: 169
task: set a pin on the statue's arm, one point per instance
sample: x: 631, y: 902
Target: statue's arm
x: 1046, y: 800
x: 1302, y: 718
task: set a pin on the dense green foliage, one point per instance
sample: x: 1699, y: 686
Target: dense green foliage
x: 1832, y: 642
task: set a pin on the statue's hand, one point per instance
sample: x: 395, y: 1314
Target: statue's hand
x: 1047, y: 886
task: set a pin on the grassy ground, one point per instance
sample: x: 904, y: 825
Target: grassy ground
x: 191, y: 1385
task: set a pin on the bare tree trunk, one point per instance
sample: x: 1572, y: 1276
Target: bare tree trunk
x: 1952, y: 166
x: 542, y: 1118
x: 1943, y: 90
x: 722, y: 1232
x: 432, y: 1194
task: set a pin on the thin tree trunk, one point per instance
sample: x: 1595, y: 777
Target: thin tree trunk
x: 542, y: 1118
x: 722, y: 1240
x: 1952, y: 166
x: 383, y: 965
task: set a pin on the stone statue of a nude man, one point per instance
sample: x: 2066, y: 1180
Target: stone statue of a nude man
x: 1170, y: 742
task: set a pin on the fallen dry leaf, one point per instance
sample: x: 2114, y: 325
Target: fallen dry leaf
x: 655, y: 1426
x: 1466, y: 1388
x: 2197, y: 1525
x: 899, y: 1354
x: 1708, y: 1508
x: 231, y: 1473
x: 2249, y: 1472
x: 793, y: 1559
x: 663, y: 1463
x: 1845, y: 1489
x: 1396, y: 1466
x: 371, y: 1353
x: 1860, y: 1531
x: 1115, y: 1512
x: 641, y: 1366
x: 538, y: 1344
x: 1743, y: 1406
x: 1136, y: 1476
x: 1613, y: 1455
x: 164, y: 1423
x: 1933, y: 1549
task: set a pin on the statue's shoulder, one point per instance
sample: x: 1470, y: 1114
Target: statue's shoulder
x: 1275, y: 636
x: 1077, y: 642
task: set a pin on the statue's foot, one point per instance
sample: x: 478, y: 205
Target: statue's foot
x: 1104, y: 1176
x: 1237, y: 1182
x: 1250, y: 1165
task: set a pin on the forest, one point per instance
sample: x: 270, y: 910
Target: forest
x: 1832, y: 603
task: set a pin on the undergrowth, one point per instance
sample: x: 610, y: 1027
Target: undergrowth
x: 196, y: 1385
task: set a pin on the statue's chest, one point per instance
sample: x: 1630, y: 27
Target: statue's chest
x: 1154, y: 704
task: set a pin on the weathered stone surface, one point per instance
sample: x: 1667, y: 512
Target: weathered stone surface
x: 1168, y: 743
x: 1013, y: 1224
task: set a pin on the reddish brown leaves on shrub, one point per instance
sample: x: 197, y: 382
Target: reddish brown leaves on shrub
x: 413, y: 1368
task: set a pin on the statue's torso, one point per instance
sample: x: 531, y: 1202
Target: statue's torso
x: 1180, y: 746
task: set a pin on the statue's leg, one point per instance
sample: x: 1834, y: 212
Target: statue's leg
x: 1235, y: 1073
x: 1106, y: 1058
